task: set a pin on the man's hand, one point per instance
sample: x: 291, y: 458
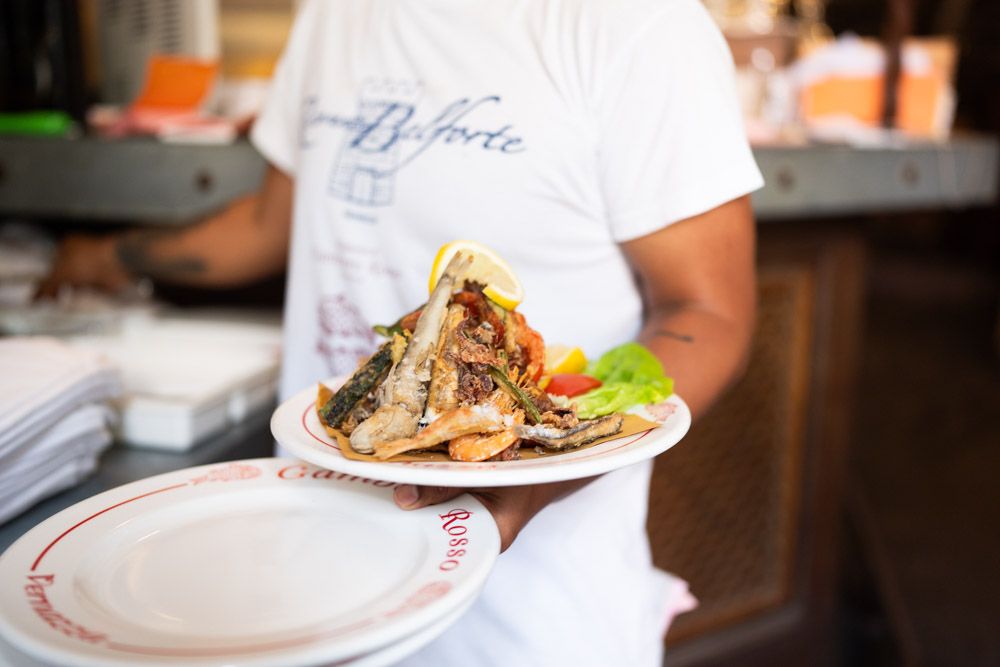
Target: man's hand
x: 244, y: 242
x: 86, y: 261
x: 512, y: 507
x: 699, y: 286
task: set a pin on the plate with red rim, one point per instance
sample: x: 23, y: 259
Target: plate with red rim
x: 257, y: 562
x: 382, y: 657
x: 296, y: 426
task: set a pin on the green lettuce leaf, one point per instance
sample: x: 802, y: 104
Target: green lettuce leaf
x: 631, y: 375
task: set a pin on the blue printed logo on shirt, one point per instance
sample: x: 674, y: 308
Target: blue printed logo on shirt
x: 388, y: 132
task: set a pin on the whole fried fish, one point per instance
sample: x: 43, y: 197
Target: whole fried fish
x: 484, y: 418
x: 403, y: 394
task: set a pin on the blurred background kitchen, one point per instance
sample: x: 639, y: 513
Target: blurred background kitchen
x: 840, y: 506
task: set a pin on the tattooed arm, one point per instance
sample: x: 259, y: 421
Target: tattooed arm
x: 246, y: 241
x: 698, y: 283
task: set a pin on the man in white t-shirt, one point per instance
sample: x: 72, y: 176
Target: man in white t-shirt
x: 597, y: 146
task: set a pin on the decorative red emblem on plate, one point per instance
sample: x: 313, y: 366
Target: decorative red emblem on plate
x: 421, y: 598
x: 230, y: 473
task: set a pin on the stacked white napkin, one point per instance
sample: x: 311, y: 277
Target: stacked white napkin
x: 54, y: 418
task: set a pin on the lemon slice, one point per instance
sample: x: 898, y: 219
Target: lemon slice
x: 564, y: 359
x: 502, y: 286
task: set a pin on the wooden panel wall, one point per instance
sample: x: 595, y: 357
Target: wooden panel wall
x: 747, y: 507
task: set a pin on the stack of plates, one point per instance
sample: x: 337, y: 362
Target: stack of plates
x: 271, y: 561
x: 266, y: 561
x: 54, y: 418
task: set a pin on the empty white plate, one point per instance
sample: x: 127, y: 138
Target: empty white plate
x: 388, y: 655
x: 267, y: 561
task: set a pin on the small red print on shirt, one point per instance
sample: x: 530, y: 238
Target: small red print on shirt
x: 343, y: 337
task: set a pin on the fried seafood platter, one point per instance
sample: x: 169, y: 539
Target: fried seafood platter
x: 461, y: 376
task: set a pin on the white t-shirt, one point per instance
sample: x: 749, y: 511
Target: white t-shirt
x: 549, y: 130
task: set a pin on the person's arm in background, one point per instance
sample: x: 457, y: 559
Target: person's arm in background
x: 698, y: 280
x: 244, y: 242
x: 699, y: 287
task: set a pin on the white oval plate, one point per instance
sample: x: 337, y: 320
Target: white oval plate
x: 393, y: 653
x: 266, y: 561
x: 296, y: 426
x: 382, y: 657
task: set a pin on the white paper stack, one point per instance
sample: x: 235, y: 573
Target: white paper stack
x: 187, y: 379
x: 54, y: 418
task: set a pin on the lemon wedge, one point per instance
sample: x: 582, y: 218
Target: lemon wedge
x: 488, y: 268
x: 561, y: 359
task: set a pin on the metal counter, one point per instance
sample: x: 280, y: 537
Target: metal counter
x: 133, y: 180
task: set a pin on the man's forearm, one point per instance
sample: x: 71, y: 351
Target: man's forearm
x: 703, y: 351
x: 246, y: 241
x: 161, y: 254
x: 227, y: 249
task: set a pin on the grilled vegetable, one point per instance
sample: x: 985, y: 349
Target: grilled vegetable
x: 564, y: 438
x: 571, y: 384
x: 500, y: 377
x: 365, y: 379
x: 387, y: 330
x: 405, y: 323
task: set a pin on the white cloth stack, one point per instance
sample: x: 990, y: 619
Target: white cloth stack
x: 54, y: 418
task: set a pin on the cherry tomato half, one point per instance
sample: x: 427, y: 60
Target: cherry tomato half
x: 571, y: 384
